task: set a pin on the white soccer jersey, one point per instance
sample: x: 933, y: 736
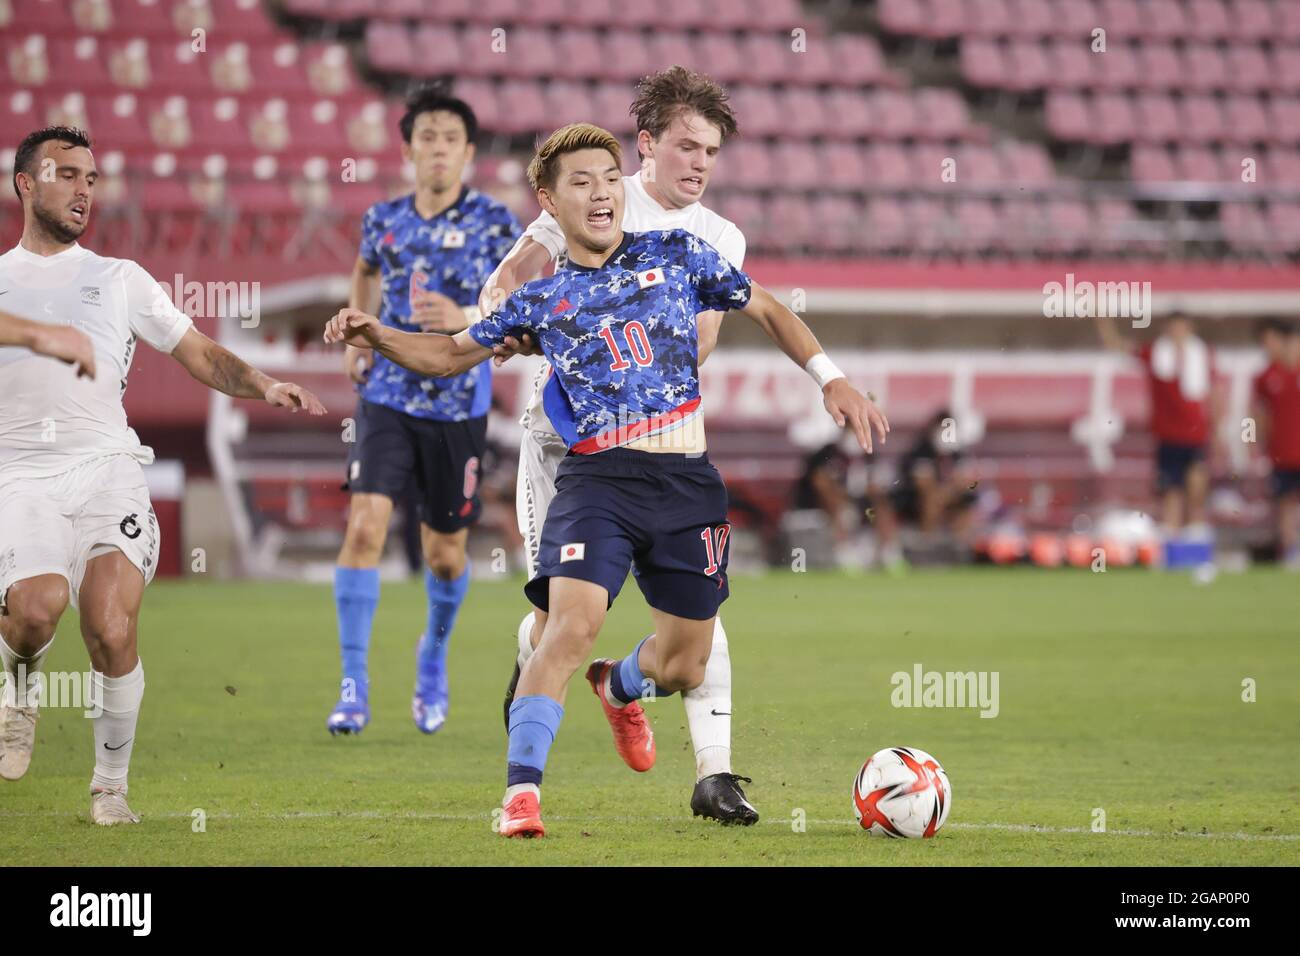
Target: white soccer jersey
x: 641, y: 213
x: 51, y: 420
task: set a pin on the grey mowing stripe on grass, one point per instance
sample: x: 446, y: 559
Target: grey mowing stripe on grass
x: 483, y: 818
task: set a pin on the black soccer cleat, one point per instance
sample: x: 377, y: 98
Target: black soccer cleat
x: 719, y: 797
x: 510, y: 694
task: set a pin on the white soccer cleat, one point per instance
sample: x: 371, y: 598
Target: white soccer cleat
x: 17, y: 737
x: 108, y: 808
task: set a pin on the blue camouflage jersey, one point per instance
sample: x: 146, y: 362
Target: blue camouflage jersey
x: 453, y: 253
x: 622, y: 337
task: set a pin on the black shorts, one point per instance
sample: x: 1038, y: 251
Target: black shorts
x: 1173, y: 462
x: 443, y: 459
x: 1286, y: 481
x: 662, y: 515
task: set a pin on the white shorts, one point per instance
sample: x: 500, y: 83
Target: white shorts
x: 57, y: 525
x: 540, y: 454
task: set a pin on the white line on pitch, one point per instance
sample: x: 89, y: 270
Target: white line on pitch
x: 483, y: 817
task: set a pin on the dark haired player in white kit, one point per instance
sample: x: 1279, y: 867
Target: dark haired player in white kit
x: 75, y: 519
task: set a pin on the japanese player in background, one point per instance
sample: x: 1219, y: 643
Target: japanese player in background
x: 683, y: 119
x: 636, y: 490
x: 424, y: 257
x: 76, y: 524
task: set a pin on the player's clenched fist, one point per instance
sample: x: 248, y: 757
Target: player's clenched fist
x: 850, y: 408
x: 358, y: 329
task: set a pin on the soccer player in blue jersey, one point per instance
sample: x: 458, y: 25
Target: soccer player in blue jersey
x: 424, y: 256
x: 637, y: 490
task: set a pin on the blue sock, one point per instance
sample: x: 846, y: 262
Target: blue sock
x: 445, y: 598
x: 356, y: 595
x: 626, y: 682
x: 534, y: 722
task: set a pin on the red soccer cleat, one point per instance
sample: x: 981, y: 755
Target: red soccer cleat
x: 522, y: 817
x: 633, y: 738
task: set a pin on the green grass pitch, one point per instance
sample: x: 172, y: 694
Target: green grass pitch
x: 1120, y: 691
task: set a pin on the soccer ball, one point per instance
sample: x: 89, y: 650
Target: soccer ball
x: 902, y: 792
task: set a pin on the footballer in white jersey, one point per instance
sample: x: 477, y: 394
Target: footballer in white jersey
x: 682, y: 120
x: 76, y: 524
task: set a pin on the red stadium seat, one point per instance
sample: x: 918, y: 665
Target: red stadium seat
x: 1252, y: 20
x: 1158, y: 120
x: 1202, y: 119
x: 943, y: 113
x: 1199, y: 164
x: 1067, y: 117
x: 798, y: 166
x: 1075, y: 64
x: 983, y: 63
x: 748, y: 165
x: 245, y: 18
x: 116, y: 122
x: 887, y: 225
x: 578, y: 54
x: 1118, y: 68
x: 757, y: 111
x: 1121, y: 19
x: 675, y: 48
x: 721, y: 53
x: 767, y: 59
x: 1246, y: 120
x: 1114, y: 119
x: 568, y: 101
x: 858, y: 61
x: 521, y: 107
x: 804, y: 115
x: 1164, y: 20
x: 481, y: 95
x: 895, y: 114
x: 1248, y: 69
x: 849, y: 112
x: 611, y: 103
x: 845, y: 167
x: 627, y: 57
x: 1075, y: 19
x: 1207, y: 19
x: 1031, y: 69
x: 1028, y: 164
x: 1284, y: 114
x: 1284, y: 73
x: 1152, y: 164
x: 389, y: 49
x: 1204, y: 68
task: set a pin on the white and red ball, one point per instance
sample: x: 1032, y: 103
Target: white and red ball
x: 902, y: 792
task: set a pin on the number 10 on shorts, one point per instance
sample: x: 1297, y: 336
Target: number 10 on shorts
x: 715, y: 545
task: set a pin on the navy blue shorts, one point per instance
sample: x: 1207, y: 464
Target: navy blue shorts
x: 662, y: 515
x: 1173, y: 462
x: 442, y: 459
x: 1286, y: 481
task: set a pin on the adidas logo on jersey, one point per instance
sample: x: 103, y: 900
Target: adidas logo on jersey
x: 650, y: 277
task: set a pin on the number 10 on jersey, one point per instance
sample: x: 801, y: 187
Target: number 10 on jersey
x: 638, y: 343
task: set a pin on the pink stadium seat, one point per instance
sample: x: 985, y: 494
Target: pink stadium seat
x: 1202, y: 119
x: 791, y: 223
x: 686, y: 14
x: 1284, y: 113
x: 977, y: 166
x: 1075, y: 65
x: 730, y: 15
x: 1121, y: 19
x: 568, y: 101
x: 803, y: 112
x: 19, y: 109
x: 850, y: 112
x: 819, y: 64
x: 942, y: 112
x: 748, y: 165
x: 175, y: 67
x: 1157, y: 119
x: 1030, y: 67
x: 1069, y: 225
x: 983, y: 63
x: 1159, y: 67
x: 1118, y: 68
x: 316, y: 9
x: 438, y: 50
x: 858, y: 61
x: 611, y: 102
x: 1163, y: 20
x: 530, y: 51
x: 1204, y: 68
x: 838, y: 221
x: 1032, y: 18
x: 890, y: 166
x: 720, y: 52
x: 767, y: 59
x: 757, y: 111
x: 1199, y: 164
x: 777, y: 15
x: 886, y: 225
x: 1285, y: 70
x: 906, y: 17
x: 674, y: 48
x: 389, y: 49
x: 989, y: 18
x: 314, y: 125
x: 979, y: 226
x: 542, y: 13
x: 1280, y: 167
x: 1152, y: 164
x: 746, y: 211
x: 1114, y: 119
x: 1028, y: 164
x: 146, y: 18
x: 246, y: 18
x: 1284, y: 224
x: 931, y: 225
x: 1244, y: 225
x: 1251, y: 20
x: 1245, y: 119
x: 219, y: 124
x: 798, y: 166
x: 1287, y: 16
x: 895, y: 115
x: 627, y: 57
x: 369, y: 114
x: 578, y: 54
x: 495, y: 13
x: 1248, y: 69
x: 1113, y: 221
x: 48, y: 17
x: 116, y: 122
x: 844, y: 166
x: 1075, y: 19
x: 481, y: 95
x: 1207, y: 19
x: 521, y: 106
x: 279, y: 69
x: 1067, y: 117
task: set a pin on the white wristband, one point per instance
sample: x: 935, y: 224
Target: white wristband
x: 822, y: 369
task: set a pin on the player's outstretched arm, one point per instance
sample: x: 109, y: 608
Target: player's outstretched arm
x: 219, y: 368
x: 849, y: 407
x: 61, y: 342
x: 525, y: 261
x: 425, y: 353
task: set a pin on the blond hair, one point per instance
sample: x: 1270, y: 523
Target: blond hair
x: 545, y: 166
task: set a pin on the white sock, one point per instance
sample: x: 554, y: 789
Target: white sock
x: 517, y: 789
x: 30, y: 665
x: 525, y: 638
x: 609, y: 691
x: 708, y: 710
x: 119, y: 699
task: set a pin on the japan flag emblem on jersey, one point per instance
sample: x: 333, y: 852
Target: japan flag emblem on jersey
x: 650, y: 277
x: 573, y: 552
